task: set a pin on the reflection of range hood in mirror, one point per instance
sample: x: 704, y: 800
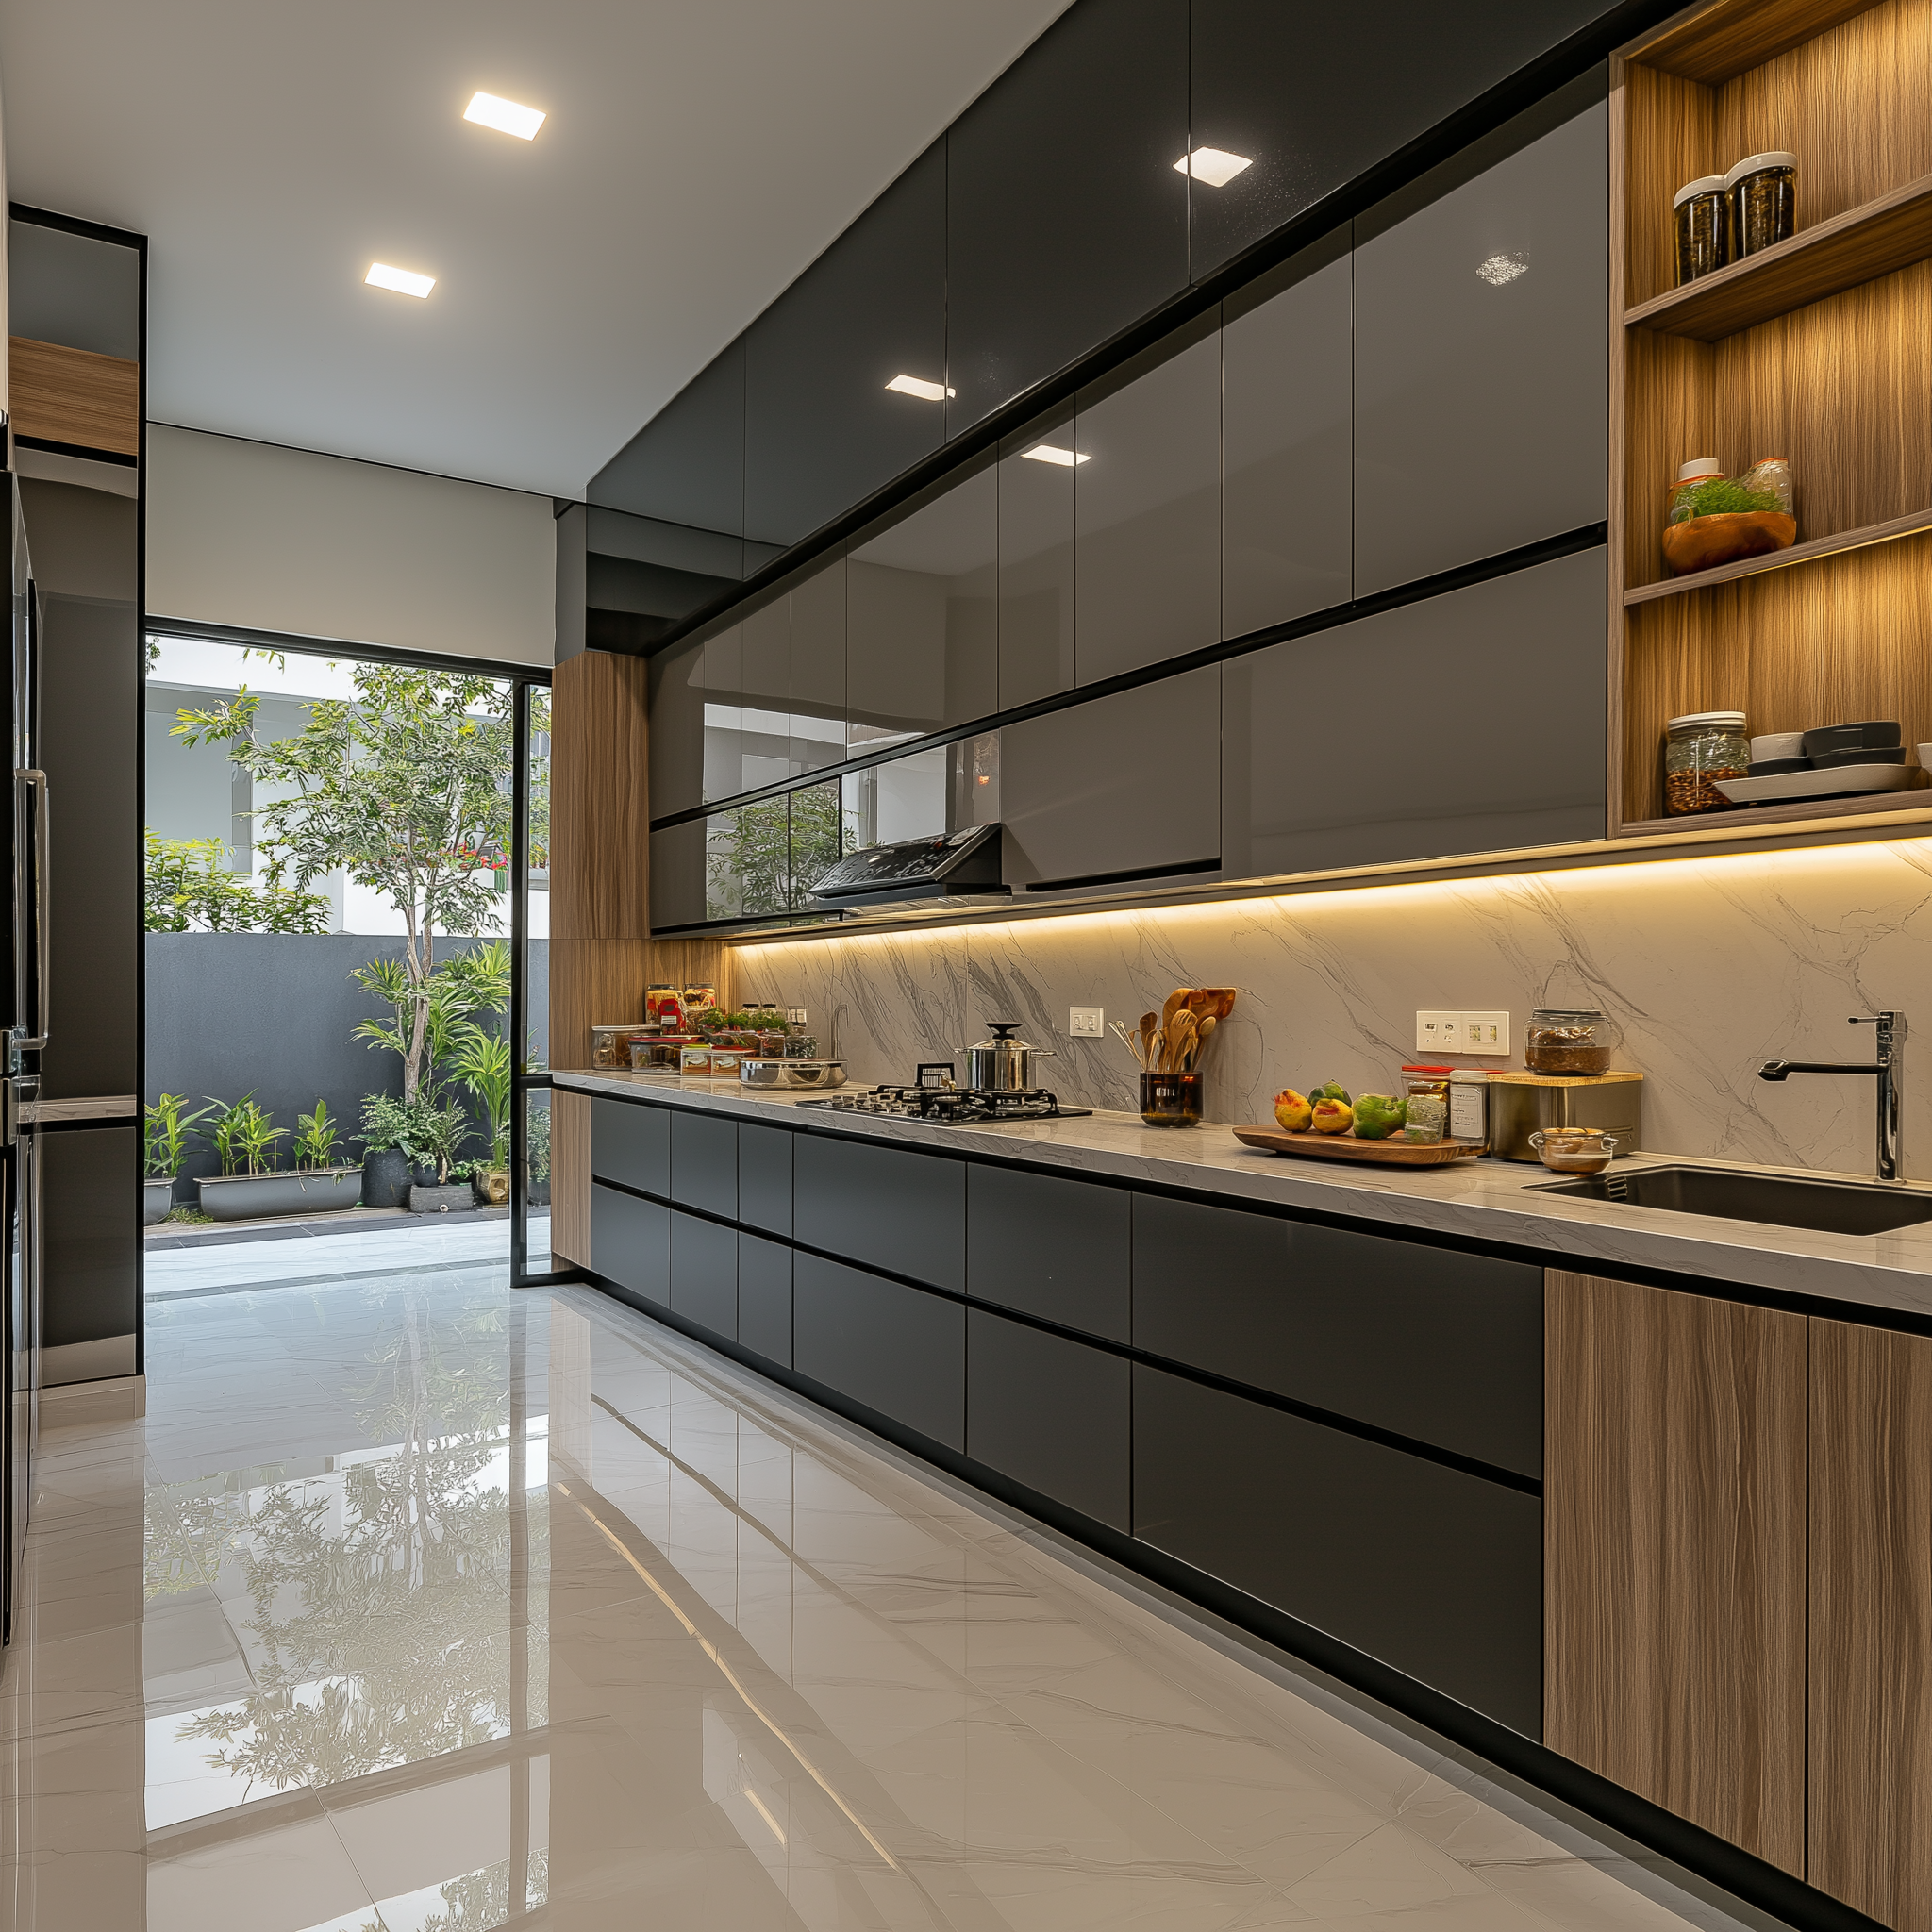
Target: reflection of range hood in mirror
x: 948, y: 869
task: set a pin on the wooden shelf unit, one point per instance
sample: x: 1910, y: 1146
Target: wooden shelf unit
x: 1820, y: 350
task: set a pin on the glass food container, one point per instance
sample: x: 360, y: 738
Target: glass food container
x: 1429, y: 1104
x: 1699, y: 749
x: 1573, y: 1150
x: 1570, y: 1042
x: 1762, y: 191
x: 1701, y: 210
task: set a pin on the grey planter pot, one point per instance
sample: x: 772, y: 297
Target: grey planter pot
x: 157, y: 1197
x: 253, y: 1196
x: 455, y: 1198
x: 386, y: 1179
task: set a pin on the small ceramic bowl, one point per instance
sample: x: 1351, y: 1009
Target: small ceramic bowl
x: 1573, y: 1150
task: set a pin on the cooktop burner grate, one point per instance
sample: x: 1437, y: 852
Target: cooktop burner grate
x: 952, y: 1106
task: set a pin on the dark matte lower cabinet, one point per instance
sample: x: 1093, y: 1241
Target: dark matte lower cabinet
x: 630, y: 1243
x: 882, y: 1206
x: 1061, y: 1250
x: 1051, y: 1413
x: 703, y: 1162
x: 704, y: 1273
x: 630, y: 1145
x: 764, y: 1298
x: 895, y: 1349
x: 764, y: 1177
x: 1434, y: 1572
x: 1419, y: 1341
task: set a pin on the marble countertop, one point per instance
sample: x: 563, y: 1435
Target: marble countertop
x: 1483, y: 1200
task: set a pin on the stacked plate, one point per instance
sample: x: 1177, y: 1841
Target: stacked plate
x: 1833, y: 761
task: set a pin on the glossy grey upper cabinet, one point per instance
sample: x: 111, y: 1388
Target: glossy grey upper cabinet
x: 1471, y: 722
x: 642, y: 576
x: 675, y: 683
x: 775, y: 687
x: 1147, y: 509
x: 1121, y: 787
x: 822, y: 426
x: 922, y: 615
x: 1481, y: 352
x: 677, y: 875
x: 1311, y: 101
x: 1286, y: 510
x: 686, y: 465
x: 1036, y: 561
x: 1066, y: 219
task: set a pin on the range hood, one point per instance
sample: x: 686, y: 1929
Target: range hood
x: 931, y: 874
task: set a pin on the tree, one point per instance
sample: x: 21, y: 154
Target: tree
x: 188, y: 886
x: 405, y: 790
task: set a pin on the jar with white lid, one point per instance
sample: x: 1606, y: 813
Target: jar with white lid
x: 1762, y: 191
x: 1701, y: 212
x: 1700, y: 748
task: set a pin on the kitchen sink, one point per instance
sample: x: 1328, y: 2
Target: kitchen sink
x: 1828, y: 1207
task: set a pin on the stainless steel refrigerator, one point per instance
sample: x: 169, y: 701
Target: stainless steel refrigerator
x: 24, y: 1001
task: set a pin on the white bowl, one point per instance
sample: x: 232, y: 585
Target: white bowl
x: 1777, y: 744
x: 1926, y: 756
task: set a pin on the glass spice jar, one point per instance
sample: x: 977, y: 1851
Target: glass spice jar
x: 1428, y: 1117
x: 1762, y: 191
x: 1569, y: 1040
x: 1700, y: 748
x: 1701, y: 211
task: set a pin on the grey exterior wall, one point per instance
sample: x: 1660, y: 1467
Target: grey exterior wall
x: 274, y: 1013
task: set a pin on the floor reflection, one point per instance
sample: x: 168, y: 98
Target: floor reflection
x: 418, y: 1606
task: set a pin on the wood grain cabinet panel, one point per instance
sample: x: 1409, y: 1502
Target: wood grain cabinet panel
x: 1871, y: 1623
x: 1673, y: 1510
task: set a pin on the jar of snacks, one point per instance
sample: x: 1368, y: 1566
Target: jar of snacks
x: 1427, y: 1119
x: 1763, y: 194
x: 1699, y: 749
x: 1702, y: 214
x: 1570, y: 1040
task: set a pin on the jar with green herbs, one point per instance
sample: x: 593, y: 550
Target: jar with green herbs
x: 1699, y: 749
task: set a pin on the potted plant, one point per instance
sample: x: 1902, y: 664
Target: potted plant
x: 441, y: 1134
x: 390, y: 1138
x: 251, y: 1186
x: 481, y: 1063
x: 166, y: 1131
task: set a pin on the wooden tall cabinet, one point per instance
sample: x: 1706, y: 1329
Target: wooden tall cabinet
x: 1674, y: 1489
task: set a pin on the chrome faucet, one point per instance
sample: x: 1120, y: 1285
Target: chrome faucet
x: 1891, y: 1034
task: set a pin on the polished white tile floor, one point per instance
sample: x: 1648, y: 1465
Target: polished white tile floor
x: 417, y: 1605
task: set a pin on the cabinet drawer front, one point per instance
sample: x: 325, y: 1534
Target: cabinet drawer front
x: 630, y: 1143
x: 1050, y: 1413
x: 893, y: 1348
x: 764, y: 1177
x: 882, y: 1206
x: 1442, y: 1347
x: 703, y: 1162
x: 1061, y: 1250
x: 704, y: 1273
x: 1434, y: 1572
x: 764, y: 1298
x: 630, y: 1243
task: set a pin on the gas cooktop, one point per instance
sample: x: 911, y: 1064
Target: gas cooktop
x: 952, y: 1107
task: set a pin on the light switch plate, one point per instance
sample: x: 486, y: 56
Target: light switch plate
x: 1486, y: 1033
x: 1085, y: 1023
x: 1437, y: 1033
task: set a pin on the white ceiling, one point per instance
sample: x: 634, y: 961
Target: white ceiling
x: 698, y: 154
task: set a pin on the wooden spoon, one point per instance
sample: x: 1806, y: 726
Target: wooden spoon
x: 1204, y: 1032
x: 1175, y: 1000
x: 1180, y: 1042
x: 1148, y: 1023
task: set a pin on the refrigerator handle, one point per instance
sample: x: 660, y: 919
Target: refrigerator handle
x: 42, y: 936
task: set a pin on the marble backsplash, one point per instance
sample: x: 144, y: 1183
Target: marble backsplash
x: 1709, y: 966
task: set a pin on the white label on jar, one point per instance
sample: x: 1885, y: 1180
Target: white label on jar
x: 1466, y: 1109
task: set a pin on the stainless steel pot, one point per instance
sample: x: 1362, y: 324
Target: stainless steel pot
x: 1002, y: 1064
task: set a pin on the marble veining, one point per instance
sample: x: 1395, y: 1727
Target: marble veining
x: 423, y: 1605
x: 1488, y: 1200
x: 1710, y: 965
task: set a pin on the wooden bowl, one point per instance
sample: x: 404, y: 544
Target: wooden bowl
x: 1705, y: 542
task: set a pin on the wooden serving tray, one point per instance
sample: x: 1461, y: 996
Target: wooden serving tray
x: 1391, y: 1153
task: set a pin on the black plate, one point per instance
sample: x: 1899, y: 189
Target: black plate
x: 1873, y: 735
x: 1857, y: 755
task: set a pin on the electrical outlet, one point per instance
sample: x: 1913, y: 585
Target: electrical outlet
x: 1486, y: 1033
x: 1437, y: 1033
x: 1085, y: 1023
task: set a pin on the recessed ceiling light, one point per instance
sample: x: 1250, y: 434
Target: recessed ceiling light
x: 916, y: 385
x: 381, y: 276
x: 1046, y: 453
x: 1499, y: 269
x: 506, y: 117
x: 1212, y: 165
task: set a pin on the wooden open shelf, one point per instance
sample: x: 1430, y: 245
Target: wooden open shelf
x: 1819, y: 350
x: 1810, y: 552
x: 1857, y: 246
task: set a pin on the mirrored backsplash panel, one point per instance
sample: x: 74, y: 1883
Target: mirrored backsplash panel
x: 1708, y: 966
